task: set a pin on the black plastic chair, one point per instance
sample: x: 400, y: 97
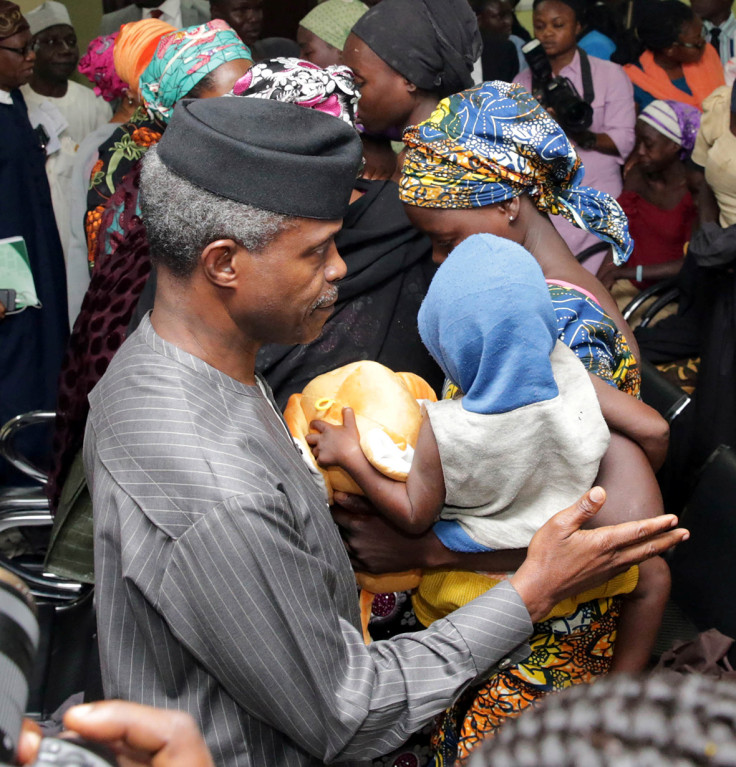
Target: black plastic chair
x: 665, y: 397
x: 666, y: 292
x: 593, y: 250
x: 68, y: 659
x: 703, y: 572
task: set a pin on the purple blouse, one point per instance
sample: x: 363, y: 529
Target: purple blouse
x: 613, y: 113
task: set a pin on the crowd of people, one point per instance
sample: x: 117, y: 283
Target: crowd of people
x: 220, y: 218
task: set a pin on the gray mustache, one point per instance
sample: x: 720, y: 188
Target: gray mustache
x: 329, y: 297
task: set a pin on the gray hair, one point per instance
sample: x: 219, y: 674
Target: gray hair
x: 181, y: 219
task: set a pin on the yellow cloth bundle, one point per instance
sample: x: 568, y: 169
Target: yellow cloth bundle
x: 442, y: 591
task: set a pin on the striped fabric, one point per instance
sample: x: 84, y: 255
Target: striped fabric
x: 223, y: 587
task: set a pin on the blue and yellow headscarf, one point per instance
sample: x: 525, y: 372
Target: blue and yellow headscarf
x: 494, y: 142
x: 182, y: 59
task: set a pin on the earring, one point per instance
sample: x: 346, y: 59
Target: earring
x: 511, y: 219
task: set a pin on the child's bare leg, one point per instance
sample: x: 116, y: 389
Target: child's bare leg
x: 641, y: 616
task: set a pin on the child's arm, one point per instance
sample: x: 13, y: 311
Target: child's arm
x: 631, y: 417
x: 413, y: 505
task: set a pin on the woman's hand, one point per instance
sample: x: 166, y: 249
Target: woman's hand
x: 631, y: 162
x: 608, y: 274
x: 377, y: 546
x: 336, y: 445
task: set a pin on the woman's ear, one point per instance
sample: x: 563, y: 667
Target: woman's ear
x: 510, y: 208
x: 410, y: 86
x: 220, y: 262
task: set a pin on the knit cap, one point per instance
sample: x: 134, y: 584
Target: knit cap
x: 46, y: 15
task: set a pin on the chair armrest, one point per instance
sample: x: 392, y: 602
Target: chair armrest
x: 647, y: 293
x: 28, y: 516
x: 8, y: 450
x: 591, y: 251
x: 666, y: 298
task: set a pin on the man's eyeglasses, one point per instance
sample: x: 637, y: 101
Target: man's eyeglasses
x: 24, y: 51
x: 55, y: 43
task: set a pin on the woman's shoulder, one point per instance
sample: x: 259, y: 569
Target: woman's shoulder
x: 717, y: 106
x: 559, y: 290
x: 584, y: 326
x: 578, y: 312
x: 613, y: 73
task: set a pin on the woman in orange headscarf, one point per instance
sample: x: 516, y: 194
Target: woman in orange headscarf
x: 134, y: 48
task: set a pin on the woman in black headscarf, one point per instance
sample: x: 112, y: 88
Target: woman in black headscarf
x: 409, y: 54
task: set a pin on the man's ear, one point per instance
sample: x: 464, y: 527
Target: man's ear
x: 223, y: 261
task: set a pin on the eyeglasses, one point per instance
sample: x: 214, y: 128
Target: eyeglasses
x: 699, y: 45
x: 55, y: 42
x: 24, y: 51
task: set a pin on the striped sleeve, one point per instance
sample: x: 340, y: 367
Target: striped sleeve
x: 243, y: 594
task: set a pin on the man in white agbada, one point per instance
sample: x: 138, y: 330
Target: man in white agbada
x: 67, y: 110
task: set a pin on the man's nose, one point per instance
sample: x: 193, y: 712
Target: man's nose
x: 336, y: 268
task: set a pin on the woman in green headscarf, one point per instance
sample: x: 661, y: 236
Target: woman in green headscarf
x: 198, y: 62
x: 323, y: 31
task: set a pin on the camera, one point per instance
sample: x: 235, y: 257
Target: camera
x: 19, y: 639
x: 574, y: 114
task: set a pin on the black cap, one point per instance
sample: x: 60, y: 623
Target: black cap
x: 274, y: 156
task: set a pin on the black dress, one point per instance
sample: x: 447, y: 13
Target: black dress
x: 31, y: 343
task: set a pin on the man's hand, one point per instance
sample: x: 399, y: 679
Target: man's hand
x: 28, y: 742
x: 564, y: 560
x: 336, y: 445
x: 2, y: 310
x: 139, y: 735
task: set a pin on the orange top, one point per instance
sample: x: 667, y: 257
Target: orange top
x: 702, y: 78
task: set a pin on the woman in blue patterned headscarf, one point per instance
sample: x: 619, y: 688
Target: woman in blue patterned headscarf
x: 491, y: 160
x: 495, y: 142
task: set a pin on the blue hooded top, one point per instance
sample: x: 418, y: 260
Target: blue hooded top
x: 488, y: 321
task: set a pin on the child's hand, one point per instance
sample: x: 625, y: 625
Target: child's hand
x: 336, y: 445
